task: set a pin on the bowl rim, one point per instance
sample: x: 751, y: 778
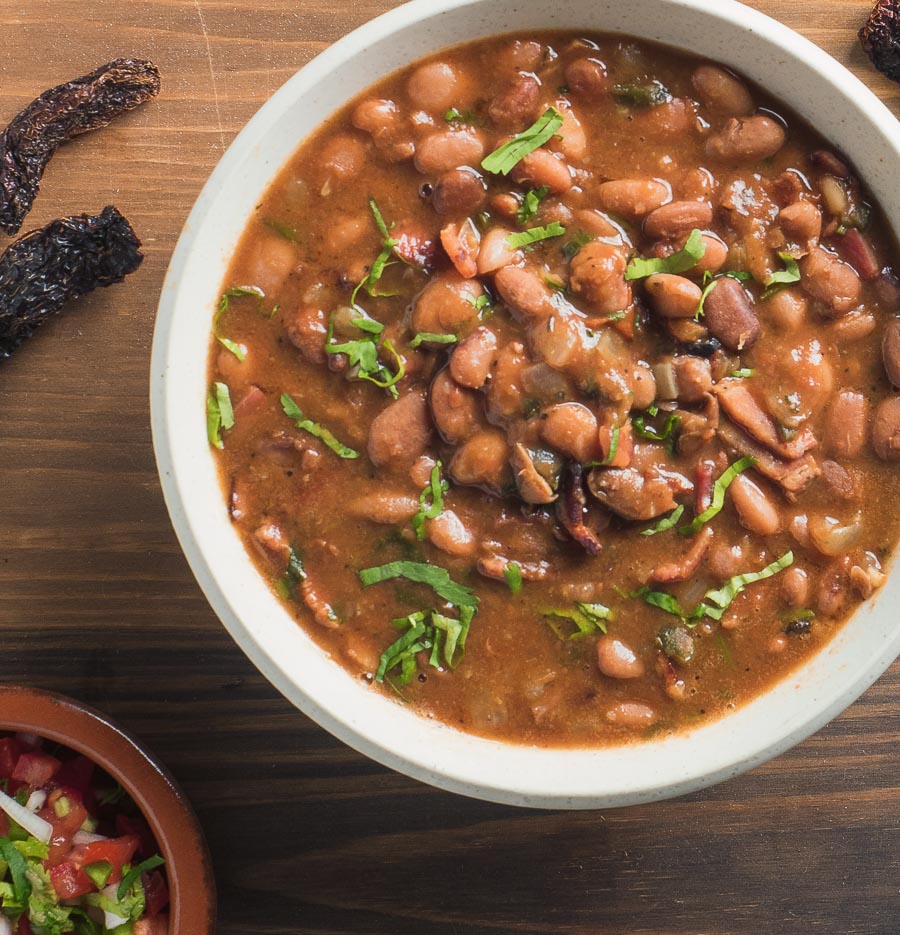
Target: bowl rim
x: 520, y: 781
x: 167, y: 810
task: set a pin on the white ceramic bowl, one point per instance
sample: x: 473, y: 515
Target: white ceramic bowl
x: 787, y: 65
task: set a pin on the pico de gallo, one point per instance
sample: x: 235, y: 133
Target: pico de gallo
x: 76, y: 856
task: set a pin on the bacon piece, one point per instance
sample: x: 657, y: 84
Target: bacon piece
x: 571, y: 509
x: 793, y: 476
x: 685, y: 567
x: 858, y: 252
x: 742, y: 408
x: 323, y: 613
x: 493, y: 566
x: 634, y: 494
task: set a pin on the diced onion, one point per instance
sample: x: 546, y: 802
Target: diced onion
x: 110, y: 919
x: 832, y: 537
x: 85, y: 837
x: 36, y: 800
x: 5, y: 925
x: 33, y: 824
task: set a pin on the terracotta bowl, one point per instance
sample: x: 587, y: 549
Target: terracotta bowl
x: 163, y: 804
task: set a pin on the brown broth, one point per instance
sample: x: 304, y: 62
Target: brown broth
x: 313, y: 238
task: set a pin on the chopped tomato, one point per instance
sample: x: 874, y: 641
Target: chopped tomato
x: 10, y: 751
x: 156, y: 893
x: 70, y: 881
x: 4, y: 825
x: 66, y: 813
x: 36, y: 769
x: 116, y: 851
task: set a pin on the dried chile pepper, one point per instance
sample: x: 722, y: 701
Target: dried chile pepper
x: 880, y: 37
x: 58, y: 115
x: 71, y: 256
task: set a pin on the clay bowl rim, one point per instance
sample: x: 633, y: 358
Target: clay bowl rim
x: 166, y: 808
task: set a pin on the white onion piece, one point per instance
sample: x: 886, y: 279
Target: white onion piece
x: 5, y: 925
x: 832, y: 537
x: 110, y: 919
x: 33, y: 824
x: 85, y: 837
x: 36, y: 800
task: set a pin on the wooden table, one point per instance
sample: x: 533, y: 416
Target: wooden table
x: 97, y: 601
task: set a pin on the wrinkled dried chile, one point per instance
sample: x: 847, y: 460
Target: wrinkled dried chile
x: 65, y: 259
x: 881, y: 38
x: 58, y: 115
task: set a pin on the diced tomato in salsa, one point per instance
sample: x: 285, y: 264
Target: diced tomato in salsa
x: 116, y: 851
x: 77, y: 773
x: 156, y: 893
x: 36, y: 769
x: 70, y: 881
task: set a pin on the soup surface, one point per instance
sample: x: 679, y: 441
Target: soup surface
x: 552, y: 382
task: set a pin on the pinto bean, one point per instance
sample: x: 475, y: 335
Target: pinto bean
x: 631, y: 714
x: 747, y: 139
x: 715, y: 253
x: 384, y: 507
x: 730, y: 316
x: 570, y: 139
x: 886, y: 429
x: 786, y: 309
x: 617, y: 660
x: 482, y: 461
x: 495, y: 252
x: 434, y: 86
x: 470, y: 362
x: 457, y: 411
x: 644, y: 387
x: 517, y: 104
x: 721, y: 91
x: 459, y: 191
x: 631, y: 493
x: 448, y: 149
x: 587, y: 77
x: 673, y: 296
x: 400, y: 433
x: 520, y: 54
x: 795, y: 586
x: 598, y: 273
x: 448, y: 533
x: 571, y: 429
x: 838, y: 480
x: 541, y: 168
x: 446, y: 304
x: 340, y: 160
x: 829, y: 280
x: 524, y: 293
x: 693, y: 378
x: 857, y: 324
x: 890, y: 350
x: 755, y: 508
x: 532, y: 485
x: 676, y: 218
x: 375, y: 115
x: 307, y: 329
x: 846, y: 424
x: 633, y: 198
x: 801, y: 222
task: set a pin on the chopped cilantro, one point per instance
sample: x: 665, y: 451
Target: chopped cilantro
x: 423, y: 337
x: 293, y: 411
x: 717, y: 600
x: 444, y: 636
x: 219, y: 414
x: 667, y: 522
x: 637, y: 94
x: 295, y: 573
x: 17, y: 869
x: 134, y: 874
x: 434, y: 491
x: 534, y: 234
x: 528, y: 208
x: 454, y: 115
x: 587, y: 618
x: 283, y: 230
x: 581, y: 239
x: 434, y: 576
x: 784, y: 277
x: 224, y: 305
x: 381, y: 262
x: 503, y: 160
x: 718, y: 496
x: 513, y: 576
x: 362, y: 353
x: 647, y: 431
x: 743, y: 372
x: 686, y: 258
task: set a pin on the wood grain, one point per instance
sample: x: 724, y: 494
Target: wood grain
x: 97, y: 601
